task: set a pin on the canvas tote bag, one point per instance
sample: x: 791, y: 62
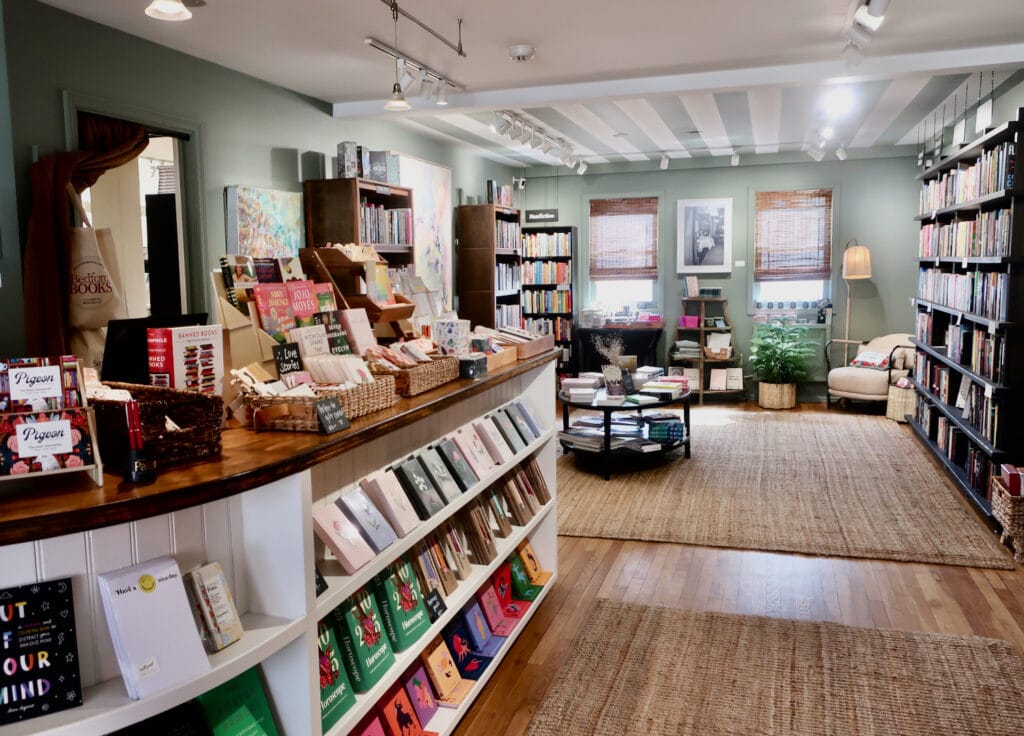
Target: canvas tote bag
x: 95, y: 289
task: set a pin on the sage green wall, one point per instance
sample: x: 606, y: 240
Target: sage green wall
x: 251, y: 132
x: 874, y: 200
x: 12, y: 336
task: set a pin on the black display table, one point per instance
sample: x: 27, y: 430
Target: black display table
x: 606, y: 451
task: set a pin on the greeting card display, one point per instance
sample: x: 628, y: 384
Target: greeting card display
x: 336, y: 694
x: 401, y: 605
x: 362, y: 641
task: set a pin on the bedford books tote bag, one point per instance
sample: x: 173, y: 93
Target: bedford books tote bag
x: 95, y: 296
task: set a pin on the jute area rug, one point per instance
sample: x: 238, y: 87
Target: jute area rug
x: 643, y: 670
x: 819, y: 483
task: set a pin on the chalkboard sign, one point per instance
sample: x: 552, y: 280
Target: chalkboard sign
x: 332, y: 416
x: 287, y: 358
x: 435, y: 605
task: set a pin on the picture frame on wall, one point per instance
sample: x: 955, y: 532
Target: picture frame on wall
x: 704, y: 236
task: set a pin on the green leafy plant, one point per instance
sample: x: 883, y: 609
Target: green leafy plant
x: 780, y: 353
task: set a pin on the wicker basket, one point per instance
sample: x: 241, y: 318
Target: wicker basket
x: 723, y: 354
x: 425, y: 376
x: 199, y: 416
x: 300, y: 416
x: 776, y: 395
x: 900, y: 403
x: 1009, y: 512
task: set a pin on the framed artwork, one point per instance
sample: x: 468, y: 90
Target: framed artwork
x: 431, y: 186
x: 704, y: 236
x: 263, y: 223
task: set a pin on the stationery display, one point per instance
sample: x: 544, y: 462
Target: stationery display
x: 363, y: 644
x: 336, y: 693
x: 373, y: 526
x: 439, y: 474
x: 401, y: 604
x: 421, y: 694
x: 451, y: 689
x: 419, y: 488
x: 208, y: 592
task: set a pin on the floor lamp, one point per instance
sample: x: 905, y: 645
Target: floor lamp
x: 856, y: 265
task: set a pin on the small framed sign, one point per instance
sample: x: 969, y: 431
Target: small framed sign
x: 332, y: 416
x: 287, y: 358
x: 534, y: 216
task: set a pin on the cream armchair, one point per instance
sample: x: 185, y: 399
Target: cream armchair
x: 877, y: 364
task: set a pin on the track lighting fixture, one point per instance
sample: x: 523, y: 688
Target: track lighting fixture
x: 841, y: 153
x: 442, y: 93
x: 816, y: 152
x: 407, y: 79
x: 735, y: 160
x: 547, y: 146
x: 663, y: 164
x: 852, y: 54
x: 582, y: 168
x: 502, y: 126
x: 859, y: 35
x: 173, y: 10
x: 864, y: 17
x: 508, y: 124
x: 827, y: 132
x: 397, y: 101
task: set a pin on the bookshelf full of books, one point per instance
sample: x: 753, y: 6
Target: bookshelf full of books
x: 548, y: 287
x: 970, y: 311
x: 704, y: 350
x: 490, y: 265
x: 373, y: 579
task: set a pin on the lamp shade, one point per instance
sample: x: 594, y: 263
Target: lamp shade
x: 856, y: 262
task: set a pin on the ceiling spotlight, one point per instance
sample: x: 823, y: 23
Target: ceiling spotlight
x: 548, y: 145
x: 663, y: 164
x: 827, y: 132
x: 521, y: 52
x: 878, y: 7
x: 582, y: 168
x: 735, y: 160
x: 173, y: 10
x: 525, y: 135
x: 397, y: 102
x: 407, y: 79
x: 816, y: 152
x: 859, y: 35
x: 442, y: 94
x: 501, y: 128
x: 866, y: 19
x: 536, y: 140
x: 841, y: 153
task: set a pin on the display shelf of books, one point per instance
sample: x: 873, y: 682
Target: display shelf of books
x: 970, y: 311
x: 712, y: 370
x: 360, y: 211
x: 548, y: 291
x: 487, y: 238
x: 358, y: 284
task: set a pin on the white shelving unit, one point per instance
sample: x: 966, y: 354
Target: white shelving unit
x: 264, y: 540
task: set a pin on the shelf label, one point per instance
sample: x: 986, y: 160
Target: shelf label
x: 935, y: 214
x: 959, y: 319
x: 936, y: 261
x: 992, y: 328
x: 386, y: 191
x: 332, y: 415
x: 988, y: 390
x: 964, y: 263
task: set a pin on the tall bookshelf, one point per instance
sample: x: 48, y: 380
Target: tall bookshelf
x: 360, y: 211
x: 970, y: 311
x: 489, y: 277
x: 548, y: 297
x: 712, y: 313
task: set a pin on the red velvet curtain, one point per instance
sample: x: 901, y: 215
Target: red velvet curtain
x: 104, y: 143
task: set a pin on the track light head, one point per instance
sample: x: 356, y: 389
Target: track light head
x: 442, y: 94
x: 735, y: 160
x: 859, y: 35
x: 172, y: 10
x: 864, y: 17
x: 582, y: 169
x: 816, y: 152
x: 397, y: 101
x: 548, y: 145
x: 841, y: 153
x: 663, y: 164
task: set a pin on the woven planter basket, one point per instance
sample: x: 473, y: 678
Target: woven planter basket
x: 776, y: 395
x: 1009, y: 512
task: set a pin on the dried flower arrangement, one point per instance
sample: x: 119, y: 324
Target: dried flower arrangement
x: 610, y: 348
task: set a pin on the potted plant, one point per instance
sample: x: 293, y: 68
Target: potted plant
x: 779, y: 355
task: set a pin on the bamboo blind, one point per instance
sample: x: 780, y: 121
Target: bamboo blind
x: 793, y: 235
x: 624, y: 238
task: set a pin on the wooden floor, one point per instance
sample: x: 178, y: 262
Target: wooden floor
x: 935, y: 598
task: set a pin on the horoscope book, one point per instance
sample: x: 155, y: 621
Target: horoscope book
x: 508, y: 431
x: 439, y: 473
x: 398, y: 714
x: 401, y: 604
x: 419, y: 488
x: 456, y: 462
x: 494, y: 612
x: 374, y: 527
x: 37, y: 628
x: 239, y: 706
x: 482, y: 638
x: 502, y: 583
x: 336, y: 693
x: 342, y: 537
x: 385, y: 490
x: 470, y: 663
x: 146, y: 598
x: 421, y: 693
x: 451, y: 689
x: 522, y: 588
x: 362, y: 640
x: 538, y: 576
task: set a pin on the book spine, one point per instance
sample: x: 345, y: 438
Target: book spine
x: 196, y: 603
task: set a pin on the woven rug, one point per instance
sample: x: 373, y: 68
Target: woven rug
x: 644, y: 670
x: 819, y: 483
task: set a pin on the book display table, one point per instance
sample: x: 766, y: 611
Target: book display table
x: 611, y: 446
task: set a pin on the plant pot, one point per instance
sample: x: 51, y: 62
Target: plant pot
x: 776, y: 395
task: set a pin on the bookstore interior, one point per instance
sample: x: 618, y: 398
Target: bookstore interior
x: 401, y: 393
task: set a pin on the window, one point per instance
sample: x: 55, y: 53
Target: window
x: 624, y: 249
x: 792, y: 244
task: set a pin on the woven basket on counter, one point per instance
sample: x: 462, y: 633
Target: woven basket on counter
x: 1009, y: 512
x: 425, y: 376
x: 366, y: 398
x: 199, y: 417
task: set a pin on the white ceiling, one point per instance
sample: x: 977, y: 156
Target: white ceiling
x: 618, y: 81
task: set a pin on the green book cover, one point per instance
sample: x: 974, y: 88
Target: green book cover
x: 239, y: 707
x: 401, y: 604
x: 361, y: 639
x: 336, y: 694
x: 522, y: 588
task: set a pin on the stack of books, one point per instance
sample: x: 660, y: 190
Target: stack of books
x: 662, y: 389
x: 686, y: 350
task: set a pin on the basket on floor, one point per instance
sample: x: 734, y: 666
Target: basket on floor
x: 198, y: 416
x: 297, y: 413
x: 900, y: 403
x: 425, y: 376
x: 1009, y: 512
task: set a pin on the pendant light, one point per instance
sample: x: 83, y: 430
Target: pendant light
x: 172, y: 10
x: 397, y: 101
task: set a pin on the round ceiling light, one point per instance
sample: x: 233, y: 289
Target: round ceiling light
x: 521, y: 52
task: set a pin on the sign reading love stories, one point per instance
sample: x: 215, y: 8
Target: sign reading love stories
x: 44, y: 438
x: 42, y: 382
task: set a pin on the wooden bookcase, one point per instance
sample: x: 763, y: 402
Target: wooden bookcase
x: 970, y: 311
x: 333, y: 214
x: 549, y: 297
x: 487, y: 240
x: 251, y: 510
x: 708, y: 309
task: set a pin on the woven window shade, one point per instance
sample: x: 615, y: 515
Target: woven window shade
x: 793, y: 235
x: 624, y: 238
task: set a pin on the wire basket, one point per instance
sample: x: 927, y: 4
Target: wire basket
x: 298, y: 413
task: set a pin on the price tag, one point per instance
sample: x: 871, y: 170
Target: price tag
x: 435, y: 605
x: 992, y: 328
x: 988, y: 390
x: 287, y: 358
x: 936, y: 261
x: 332, y: 416
x: 959, y: 319
x: 963, y: 263
x: 934, y: 214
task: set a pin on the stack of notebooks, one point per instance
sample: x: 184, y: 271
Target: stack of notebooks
x: 686, y: 350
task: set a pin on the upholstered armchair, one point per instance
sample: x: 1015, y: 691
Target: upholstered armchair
x: 877, y: 365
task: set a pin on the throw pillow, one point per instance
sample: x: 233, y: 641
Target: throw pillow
x: 868, y: 359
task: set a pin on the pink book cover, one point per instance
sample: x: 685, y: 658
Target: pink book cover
x: 342, y: 537
x: 473, y: 450
x: 358, y: 329
x: 370, y: 727
x: 303, y: 301
x: 501, y: 625
x: 421, y: 694
x: 494, y: 443
x: 387, y: 494
x: 325, y: 297
x: 275, y: 310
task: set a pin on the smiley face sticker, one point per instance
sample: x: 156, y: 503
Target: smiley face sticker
x: 147, y: 583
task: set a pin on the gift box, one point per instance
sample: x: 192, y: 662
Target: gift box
x: 451, y: 336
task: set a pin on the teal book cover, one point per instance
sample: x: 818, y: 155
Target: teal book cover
x: 401, y: 605
x: 364, y: 645
x: 239, y: 707
x: 336, y: 693
x: 522, y: 588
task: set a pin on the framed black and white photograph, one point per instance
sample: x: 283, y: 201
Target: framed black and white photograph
x: 704, y: 236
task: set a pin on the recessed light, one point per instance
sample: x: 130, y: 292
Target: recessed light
x: 521, y: 52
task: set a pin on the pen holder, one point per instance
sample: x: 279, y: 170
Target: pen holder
x: 139, y: 468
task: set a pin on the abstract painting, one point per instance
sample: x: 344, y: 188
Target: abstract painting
x: 264, y: 223
x: 431, y: 186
